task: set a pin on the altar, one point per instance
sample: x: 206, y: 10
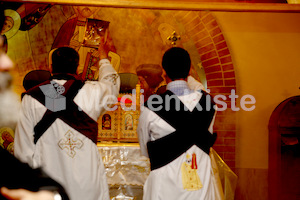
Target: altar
x: 126, y: 170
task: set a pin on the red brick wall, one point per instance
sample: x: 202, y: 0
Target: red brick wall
x: 207, y: 35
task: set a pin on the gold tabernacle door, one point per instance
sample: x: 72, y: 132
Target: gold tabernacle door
x: 120, y: 123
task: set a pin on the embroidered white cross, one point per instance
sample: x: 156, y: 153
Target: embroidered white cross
x: 70, y: 144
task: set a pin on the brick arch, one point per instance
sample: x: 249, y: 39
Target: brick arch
x: 215, y: 56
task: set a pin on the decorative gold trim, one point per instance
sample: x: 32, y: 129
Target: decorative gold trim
x: 113, y: 144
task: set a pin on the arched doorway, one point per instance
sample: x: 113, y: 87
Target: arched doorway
x: 284, y: 150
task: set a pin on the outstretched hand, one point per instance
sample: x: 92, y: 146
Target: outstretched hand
x: 103, y: 48
x: 22, y: 194
x: 106, y: 45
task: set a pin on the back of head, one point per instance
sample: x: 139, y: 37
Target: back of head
x: 35, y: 77
x: 177, y: 63
x: 65, y: 60
x: 152, y: 73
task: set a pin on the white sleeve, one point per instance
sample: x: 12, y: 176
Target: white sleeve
x: 109, y: 77
x: 143, y: 131
x: 96, y: 97
x: 23, y: 143
x: 151, y: 127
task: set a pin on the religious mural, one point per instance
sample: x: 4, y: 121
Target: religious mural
x: 12, y: 23
x: 83, y: 33
x: 7, y: 139
x: 135, y: 37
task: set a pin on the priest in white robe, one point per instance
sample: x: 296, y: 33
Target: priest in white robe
x: 177, y: 135
x: 58, y: 126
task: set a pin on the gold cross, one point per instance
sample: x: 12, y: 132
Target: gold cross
x: 70, y: 144
x: 174, y: 38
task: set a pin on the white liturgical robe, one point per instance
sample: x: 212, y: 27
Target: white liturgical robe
x: 66, y: 155
x: 188, y: 177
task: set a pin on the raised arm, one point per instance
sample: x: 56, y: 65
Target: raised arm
x: 96, y: 96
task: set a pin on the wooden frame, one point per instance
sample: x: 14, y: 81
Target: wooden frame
x: 178, y: 5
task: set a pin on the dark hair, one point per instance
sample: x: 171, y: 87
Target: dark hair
x: 65, y: 60
x: 2, y: 17
x: 177, y: 63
